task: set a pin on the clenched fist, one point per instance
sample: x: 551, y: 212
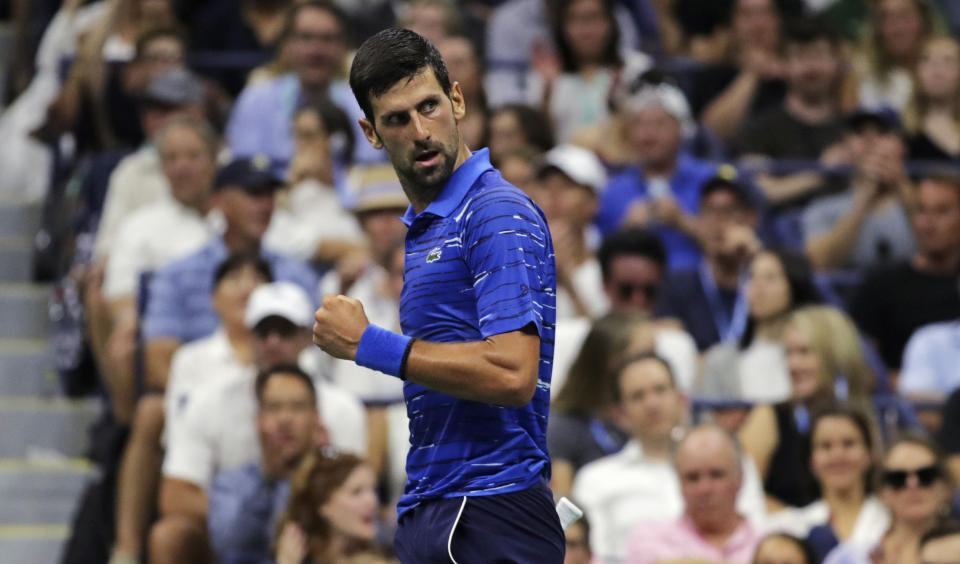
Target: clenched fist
x: 341, y: 322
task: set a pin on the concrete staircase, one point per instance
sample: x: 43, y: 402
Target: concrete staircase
x: 43, y: 436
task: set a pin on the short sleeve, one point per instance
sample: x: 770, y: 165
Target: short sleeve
x: 125, y: 262
x: 919, y: 373
x: 818, y: 217
x: 190, y: 451
x: 509, y: 253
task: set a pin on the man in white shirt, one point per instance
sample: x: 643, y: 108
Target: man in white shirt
x: 216, y: 430
x: 152, y: 237
x: 640, y: 483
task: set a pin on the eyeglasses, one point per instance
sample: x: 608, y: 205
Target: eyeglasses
x: 897, y: 479
x: 626, y: 290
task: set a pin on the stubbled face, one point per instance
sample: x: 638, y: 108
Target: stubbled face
x: 188, y: 164
x: 633, y: 283
x: 587, y: 29
x: 416, y: 122
x: 778, y: 550
x: 710, y: 478
x: 839, y: 454
x: 936, y: 217
x: 287, y: 421
x: 914, y: 503
x: 316, y: 46
x: 802, y: 363
x: 650, y: 405
x: 768, y: 291
x: 231, y: 294
x: 352, y: 507
x: 939, y: 69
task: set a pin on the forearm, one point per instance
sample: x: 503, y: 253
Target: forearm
x: 781, y: 189
x: 831, y: 248
x: 474, y: 371
x: 724, y: 113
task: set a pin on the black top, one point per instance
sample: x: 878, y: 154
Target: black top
x: 777, y: 134
x: 896, y: 300
x: 683, y: 297
x: 789, y: 477
x: 580, y: 439
x: 922, y: 148
x: 710, y: 80
x: 950, y: 424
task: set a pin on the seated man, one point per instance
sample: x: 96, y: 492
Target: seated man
x: 178, y: 309
x: 709, y: 300
x: 245, y: 503
x: 215, y: 430
x: 709, y: 467
x: 639, y: 484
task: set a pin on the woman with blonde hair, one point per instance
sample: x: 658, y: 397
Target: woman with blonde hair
x: 331, y: 510
x: 890, y: 51
x: 932, y: 116
x: 826, y: 364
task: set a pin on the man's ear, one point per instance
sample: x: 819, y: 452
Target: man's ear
x: 459, y: 105
x: 370, y: 133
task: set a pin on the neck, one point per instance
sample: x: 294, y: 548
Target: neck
x: 905, y: 531
x: 238, y: 242
x: 847, y: 499
x: 655, y: 448
x: 771, y: 328
x: 717, y: 533
x: 726, y: 273
x: 663, y: 168
x: 420, y: 198
x: 946, y: 262
x: 332, y: 551
x: 810, y: 110
x: 239, y: 339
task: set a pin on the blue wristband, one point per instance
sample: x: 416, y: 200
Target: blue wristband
x: 382, y: 350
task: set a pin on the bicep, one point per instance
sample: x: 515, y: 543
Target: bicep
x: 519, y: 348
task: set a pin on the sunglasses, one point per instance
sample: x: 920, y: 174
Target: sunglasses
x: 897, y: 479
x: 275, y: 325
x: 625, y: 290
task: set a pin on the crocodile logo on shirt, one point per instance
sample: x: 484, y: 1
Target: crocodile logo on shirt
x: 434, y: 255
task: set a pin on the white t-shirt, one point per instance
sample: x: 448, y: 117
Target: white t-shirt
x: 619, y: 491
x: 872, y: 521
x: 218, y: 428
x: 587, y: 280
x: 756, y: 374
x: 138, y: 181
x: 312, y: 213
x: 151, y: 238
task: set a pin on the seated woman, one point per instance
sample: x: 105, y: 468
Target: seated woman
x: 842, y: 450
x: 825, y: 362
x: 916, y: 489
x: 754, y: 369
x: 932, y: 117
x: 331, y: 510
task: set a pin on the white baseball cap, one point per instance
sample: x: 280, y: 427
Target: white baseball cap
x: 283, y: 299
x: 581, y: 165
x: 665, y: 96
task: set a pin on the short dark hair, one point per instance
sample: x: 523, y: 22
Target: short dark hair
x: 945, y: 528
x: 631, y: 241
x: 721, y: 184
x: 236, y: 261
x: 388, y: 57
x: 286, y: 370
x: 804, y: 31
x: 630, y: 361
x: 155, y: 33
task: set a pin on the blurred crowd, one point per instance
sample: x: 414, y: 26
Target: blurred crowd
x: 755, y: 206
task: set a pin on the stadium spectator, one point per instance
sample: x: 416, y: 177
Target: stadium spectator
x: 222, y: 355
x: 463, y: 66
x: 260, y: 123
x: 748, y: 77
x: 578, y: 543
x: 866, y: 225
x: 245, y: 503
x: 897, y: 299
x: 930, y: 360
x: 178, y: 308
x: 519, y: 167
x: 932, y: 116
x: 513, y: 127
x: 638, y: 484
x: 915, y: 486
x: 781, y: 548
x: 826, y: 364
x: 518, y: 31
x: 575, y: 85
x: 709, y: 300
x: 582, y: 425
x: 709, y: 469
x: 949, y: 435
x: 754, y: 367
x: 435, y: 20
x: 572, y: 180
x: 662, y: 189
x: 882, y: 68
x: 941, y: 543
x: 843, y: 445
x: 216, y: 430
x: 331, y: 510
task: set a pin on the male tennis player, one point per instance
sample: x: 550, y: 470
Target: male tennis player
x: 477, y: 313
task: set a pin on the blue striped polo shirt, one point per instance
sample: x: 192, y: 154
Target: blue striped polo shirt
x: 479, y: 262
